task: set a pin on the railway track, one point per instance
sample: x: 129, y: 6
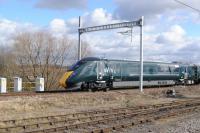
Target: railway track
x: 18, y: 94
x: 32, y: 93
x: 100, y: 120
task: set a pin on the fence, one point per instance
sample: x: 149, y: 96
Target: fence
x: 18, y: 86
x: 26, y: 86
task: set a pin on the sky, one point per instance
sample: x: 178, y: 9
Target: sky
x: 171, y: 30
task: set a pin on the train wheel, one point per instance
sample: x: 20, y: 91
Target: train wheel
x: 91, y: 87
x: 106, y: 89
x: 89, y: 90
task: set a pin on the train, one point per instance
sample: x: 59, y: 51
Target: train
x: 92, y: 74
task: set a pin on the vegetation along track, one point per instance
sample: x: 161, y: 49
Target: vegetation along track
x: 32, y: 93
x: 100, y: 120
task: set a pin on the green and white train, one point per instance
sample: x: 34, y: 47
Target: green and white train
x: 93, y: 74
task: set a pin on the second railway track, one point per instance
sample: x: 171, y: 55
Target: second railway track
x: 99, y: 120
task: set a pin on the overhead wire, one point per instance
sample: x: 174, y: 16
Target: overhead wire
x: 182, y: 3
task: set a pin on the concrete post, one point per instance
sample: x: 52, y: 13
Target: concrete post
x: 40, y: 84
x: 17, y: 84
x: 3, y: 85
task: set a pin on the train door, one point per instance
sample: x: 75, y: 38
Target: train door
x: 100, y: 73
x: 115, y: 70
x: 195, y: 70
x: 102, y: 70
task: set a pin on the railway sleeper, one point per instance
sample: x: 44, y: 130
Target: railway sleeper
x: 149, y: 119
x: 125, y: 117
x: 11, y: 123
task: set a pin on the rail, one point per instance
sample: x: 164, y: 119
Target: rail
x: 89, y: 121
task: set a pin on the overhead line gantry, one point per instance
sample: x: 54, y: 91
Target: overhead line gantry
x: 130, y: 24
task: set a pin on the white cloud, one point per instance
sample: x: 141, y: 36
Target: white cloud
x: 58, y: 27
x: 62, y: 4
x: 131, y: 9
x: 98, y: 17
x: 176, y: 36
x: 162, y: 40
x: 9, y: 28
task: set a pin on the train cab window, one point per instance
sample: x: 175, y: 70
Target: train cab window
x: 77, y: 65
x: 90, y: 68
x: 86, y: 69
x: 183, y: 69
x: 190, y: 70
x: 175, y: 69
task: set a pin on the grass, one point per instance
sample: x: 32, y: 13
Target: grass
x: 41, y: 105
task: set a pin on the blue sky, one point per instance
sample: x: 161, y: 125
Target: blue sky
x: 25, y: 11
x: 170, y: 28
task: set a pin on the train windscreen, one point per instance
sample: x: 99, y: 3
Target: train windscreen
x: 77, y: 65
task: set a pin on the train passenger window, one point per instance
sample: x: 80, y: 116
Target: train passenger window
x: 149, y: 69
x: 130, y: 68
x: 163, y: 68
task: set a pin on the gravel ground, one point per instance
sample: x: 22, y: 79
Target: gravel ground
x: 185, y: 124
x: 42, y: 105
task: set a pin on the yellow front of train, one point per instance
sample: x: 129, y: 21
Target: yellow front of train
x: 64, y: 78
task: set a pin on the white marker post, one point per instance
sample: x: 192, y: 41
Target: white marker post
x: 40, y: 84
x: 17, y: 84
x: 3, y: 85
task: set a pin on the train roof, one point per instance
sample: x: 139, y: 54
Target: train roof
x: 98, y: 59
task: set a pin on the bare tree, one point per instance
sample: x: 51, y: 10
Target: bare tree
x: 2, y: 60
x: 8, y: 66
x: 41, y: 54
x: 86, y: 50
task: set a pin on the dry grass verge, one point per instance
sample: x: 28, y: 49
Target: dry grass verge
x: 30, y: 106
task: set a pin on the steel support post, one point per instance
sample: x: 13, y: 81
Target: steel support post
x: 141, y: 54
x: 79, y: 40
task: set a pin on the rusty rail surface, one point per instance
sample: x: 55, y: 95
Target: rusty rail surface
x: 96, y: 121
